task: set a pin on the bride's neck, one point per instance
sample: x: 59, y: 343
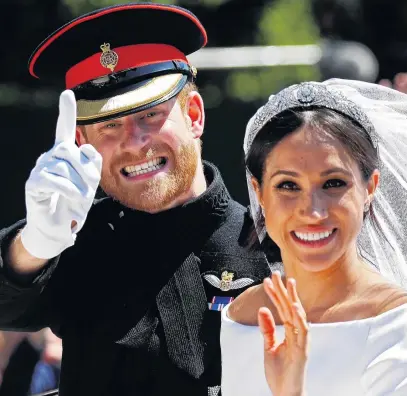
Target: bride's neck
x: 325, y: 289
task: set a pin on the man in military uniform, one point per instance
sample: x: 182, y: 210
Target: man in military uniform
x: 136, y: 291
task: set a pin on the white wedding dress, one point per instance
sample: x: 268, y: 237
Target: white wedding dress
x: 356, y: 358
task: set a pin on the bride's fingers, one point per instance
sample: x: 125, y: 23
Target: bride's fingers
x: 292, y: 293
x: 268, y: 328
x: 301, y: 326
x: 282, y: 296
x: 274, y: 297
x: 291, y: 290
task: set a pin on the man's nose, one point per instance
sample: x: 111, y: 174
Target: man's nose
x: 137, y: 137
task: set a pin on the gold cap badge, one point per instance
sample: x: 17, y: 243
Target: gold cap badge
x: 109, y: 58
x: 194, y: 71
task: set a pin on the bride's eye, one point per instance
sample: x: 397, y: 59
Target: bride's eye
x: 288, y: 186
x: 334, y: 183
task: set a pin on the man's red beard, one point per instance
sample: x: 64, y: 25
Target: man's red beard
x: 156, y: 193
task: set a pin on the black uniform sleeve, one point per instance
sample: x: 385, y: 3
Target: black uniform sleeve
x: 23, y: 304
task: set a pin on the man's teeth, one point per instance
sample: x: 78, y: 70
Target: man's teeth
x: 313, y: 236
x: 150, y: 166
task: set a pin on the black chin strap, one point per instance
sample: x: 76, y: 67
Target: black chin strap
x: 102, y: 87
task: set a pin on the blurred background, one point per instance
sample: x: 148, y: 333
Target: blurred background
x: 255, y: 48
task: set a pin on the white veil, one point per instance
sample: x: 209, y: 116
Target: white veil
x: 383, y: 113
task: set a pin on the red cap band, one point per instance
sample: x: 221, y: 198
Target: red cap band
x: 128, y: 57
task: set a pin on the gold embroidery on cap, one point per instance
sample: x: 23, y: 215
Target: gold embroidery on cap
x: 85, y: 106
x: 109, y: 58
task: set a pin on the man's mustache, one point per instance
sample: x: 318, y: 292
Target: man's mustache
x: 145, y: 154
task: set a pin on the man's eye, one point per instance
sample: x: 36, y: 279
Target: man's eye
x: 151, y: 114
x: 112, y: 125
x: 288, y: 186
x: 334, y: 183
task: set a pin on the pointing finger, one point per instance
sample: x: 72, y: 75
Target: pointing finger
x: 66, y: 124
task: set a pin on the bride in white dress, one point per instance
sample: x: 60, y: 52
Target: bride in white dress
x: 336, y: 323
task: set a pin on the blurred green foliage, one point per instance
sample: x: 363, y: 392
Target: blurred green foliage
x: 283, y: 22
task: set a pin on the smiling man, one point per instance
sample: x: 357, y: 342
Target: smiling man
x: 133, y: 282
x: 151, y: 159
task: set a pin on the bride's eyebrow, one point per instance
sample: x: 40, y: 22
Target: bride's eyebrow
x: 284, y: 172
x: 324, y: 173
x: 336, y: 170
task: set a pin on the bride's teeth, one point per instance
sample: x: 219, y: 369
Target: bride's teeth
x: 313, y: 236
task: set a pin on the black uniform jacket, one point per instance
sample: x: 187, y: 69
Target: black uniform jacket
x: 137, y: 299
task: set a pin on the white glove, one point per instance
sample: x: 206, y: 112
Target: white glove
x: 61, y: 188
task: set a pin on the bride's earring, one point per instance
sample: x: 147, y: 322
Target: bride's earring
x: 366, y: 207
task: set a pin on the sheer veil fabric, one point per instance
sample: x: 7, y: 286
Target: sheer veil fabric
x: 383, y: 114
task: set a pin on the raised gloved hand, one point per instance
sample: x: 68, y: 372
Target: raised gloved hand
x: 61, y: 188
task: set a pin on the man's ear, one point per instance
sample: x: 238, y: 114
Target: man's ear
x: 80, y: 135
x: 195, y: 112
